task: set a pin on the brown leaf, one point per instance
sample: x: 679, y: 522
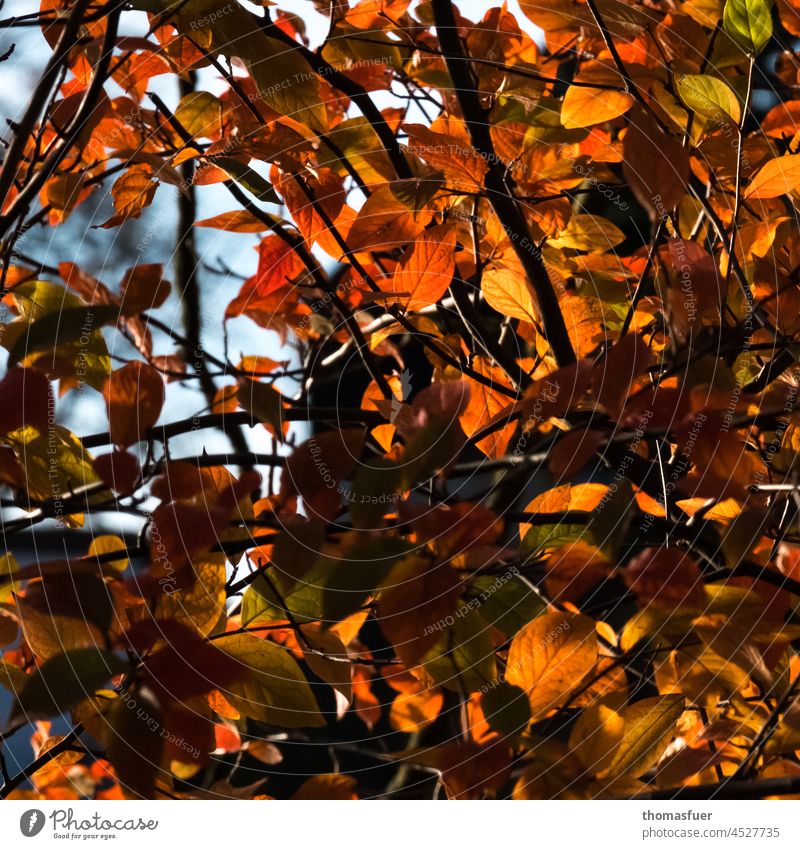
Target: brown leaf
x: 134, y: 396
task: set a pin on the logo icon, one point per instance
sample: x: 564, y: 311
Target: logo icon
x: 31, y: 822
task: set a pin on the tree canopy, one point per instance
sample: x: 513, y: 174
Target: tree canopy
x: 507, y: 505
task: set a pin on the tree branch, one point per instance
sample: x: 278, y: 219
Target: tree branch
x: 503, y: 202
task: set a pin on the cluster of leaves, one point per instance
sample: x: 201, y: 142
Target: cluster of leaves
x: 559, y: 560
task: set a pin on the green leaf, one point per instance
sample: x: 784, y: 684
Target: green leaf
x: 507, y: 604
x: 589, y: 233
x: 540, y: 539
x: 287, y: 83
x: 709, y: 97
x: 264, y: 404
x: 506, y: 708
x: 463, y: 659
x: 329, y: 590
x: 358, y: 574
x: 65, y: 680
x: 380, y: 484
x: 57, y: 328
x: 748, y: 23
x: 11, y: 676
x: 609, y: 526
x: 260, y: 603
x: 55, y: 462
x: 71, y: 328
x: 272, y: 687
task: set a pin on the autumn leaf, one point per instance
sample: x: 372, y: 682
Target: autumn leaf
x: 271, y: 686
x: 584, y: 106
x: 200, y: 114
x: 288, y: 85
x: 64, y: 680
x: 417, y: 597
x: 778, y: 177
x: 134, y: 396
x: 451, y: 396
x: 426, y: 270
x: 549, y: 657
x: 648, y: 726
x: 132, y: 192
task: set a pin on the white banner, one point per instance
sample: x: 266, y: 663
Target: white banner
x: 390, y: 824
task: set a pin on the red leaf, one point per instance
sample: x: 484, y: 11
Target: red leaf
x: 25, y: 399
x: 119, y: 470
x: 134, y: 396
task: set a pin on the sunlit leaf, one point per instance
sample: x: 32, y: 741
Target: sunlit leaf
x: 649, y: 725
x: 271, y: 686
x: 549, y: 657
x: 748, y: 23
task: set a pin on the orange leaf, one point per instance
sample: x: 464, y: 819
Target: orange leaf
x: 417, y: 598
x: 584, y: 106
x: 778, y: 177
x: 134, y: 396
x: 427, y: 268
x: 549, y: 657
x: 132, y: 192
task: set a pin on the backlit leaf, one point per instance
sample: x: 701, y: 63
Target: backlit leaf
x: 748, y: 23
x: 427, y: 270
x: 710, y: 97
x: 271, y: 686
x: 584, y: 106
x: 64, y: 680
x: 134, y: 396
x: 549, y: 657
x: 649, y: 725
x: 778, y: 177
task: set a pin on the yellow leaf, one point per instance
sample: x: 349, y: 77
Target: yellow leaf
x: 107, y: 543
x: 8, y: 566
x: 705, y: 12
x: 200, y: 113
x: 709, y: 96
x: 286, y: 82
x: 596, y: 735
x: 272, y: 687
x: 589, y: 233
x: 55, y: 464
x: 504, y: 288
x: 649, y: 724
x: 414, y: 711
